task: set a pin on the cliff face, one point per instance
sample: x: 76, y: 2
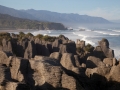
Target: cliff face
x: 9, y: 22
x: 35, y: 64
x: 52, y: 26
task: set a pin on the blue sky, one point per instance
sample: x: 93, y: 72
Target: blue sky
x: 109, y: 9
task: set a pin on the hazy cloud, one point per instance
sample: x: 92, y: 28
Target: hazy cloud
x: 110, y: 14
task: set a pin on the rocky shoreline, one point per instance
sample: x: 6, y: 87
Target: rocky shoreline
x: 58, y: 64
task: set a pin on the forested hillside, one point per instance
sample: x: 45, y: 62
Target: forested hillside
x: 10, y: 22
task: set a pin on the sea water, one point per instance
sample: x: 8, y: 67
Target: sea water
x: 91, y: 36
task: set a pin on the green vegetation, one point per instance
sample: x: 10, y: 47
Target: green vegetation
x: 40, y: 36
x: 9, y: 22
x: 29, y: 35
x: 46, y: 37
x: 60, y: 36
x: 80, y: 50
x: 22, y: 35
x: 87, y: 48
x: 49, y: 38
x: 4, y: 35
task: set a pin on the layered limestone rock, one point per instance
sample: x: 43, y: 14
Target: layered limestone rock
x: 68, y: 62
x: 48, y: 75
x: 104, y: 47
x: 59, y: 67
x: 80, y: 44
x: 19, y: 47
x: 18, y: 68
x: 56, y: 55
x: 6, y: 45
x: 110, y: 61
x: 30, y: 51
x: 70, y: 83
x: 5, y: 58
x: 115, y: 74
x: 93, y: 62
x: 43, y: 48
x: 55, y: 45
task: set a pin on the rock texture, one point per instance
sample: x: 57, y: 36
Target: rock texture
x: 68, y: 62
x: 56, y: 55
x: 93, y: 62
x: 48, y: 74
x: 30, y: 51
x: 80, y: 43
x: 18, y: 68
x: 6, y: 45
x: 104, y: 44
x: 35, y: 64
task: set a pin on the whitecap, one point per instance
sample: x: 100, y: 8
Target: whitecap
x: 116, y: 30
x: 49, y: 31
x: 88, y: 30
x: 86, y: 40
x: 44, y: 34
x: 74, y: 33
x: 114, y: 34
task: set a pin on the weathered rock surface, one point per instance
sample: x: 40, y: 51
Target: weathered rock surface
x: 30, y: 51
x: 19, y: 47
x: 45, y: 51
x: 93, y: 62
x: 104, y: 44
x: 46, y: 71
x: 77, y: 61
x: 42, y: 47
x: 108, y: 61
x: 55, y: 45
x: 63, y: 49
x: 5, y: 58
x: 103, y: 71
x: 59, y: 67
x: 48, y: 74
x: 70, y: 83
x: 71, y: 47
x: 68, y: 62
x: 80, y: 44
x: 56, y: 55
x: 4, y: 74
x: 18, y: 68
x: 98, y: 52
x: 11, y: 86
x: 6, y: 45
x: 115, y: 73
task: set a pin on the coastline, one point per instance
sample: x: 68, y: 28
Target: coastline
x: 17, y: 30
x: 73, y: 35
x: 57, y: 60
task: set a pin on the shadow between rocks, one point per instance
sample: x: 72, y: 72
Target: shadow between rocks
x: 98, y: 82
x: 94, y: 82
x: 47, y: 86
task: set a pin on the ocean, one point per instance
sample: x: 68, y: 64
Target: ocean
x: 91, y: 36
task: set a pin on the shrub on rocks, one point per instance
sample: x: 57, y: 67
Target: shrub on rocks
x: 4, y: 35
x: 88, y: 48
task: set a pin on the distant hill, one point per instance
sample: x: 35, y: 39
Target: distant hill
x: 44, y: 15
x: 115, y: 21
x: 10, y: 22
x: 64, y: 17
x: 15, y: 13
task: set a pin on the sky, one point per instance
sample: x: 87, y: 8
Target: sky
x: 108, y: 9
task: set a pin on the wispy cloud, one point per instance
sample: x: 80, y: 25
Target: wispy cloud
x: 107, y: 13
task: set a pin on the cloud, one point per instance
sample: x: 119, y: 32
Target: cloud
x: 107, y: 13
